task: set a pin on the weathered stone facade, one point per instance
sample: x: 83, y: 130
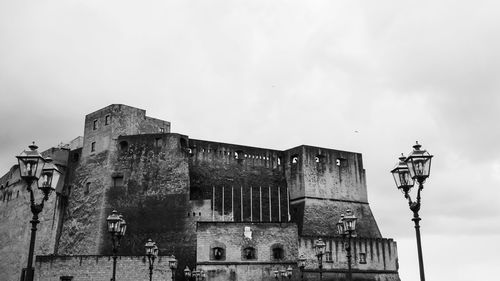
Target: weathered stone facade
x: 189, y: 195
x: 98, y: 268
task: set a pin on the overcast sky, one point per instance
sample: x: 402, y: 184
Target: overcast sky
x: 365, y: 76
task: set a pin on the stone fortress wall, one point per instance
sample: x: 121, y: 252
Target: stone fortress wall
x: 167, y: 185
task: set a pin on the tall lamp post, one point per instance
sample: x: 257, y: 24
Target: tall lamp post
x: 116, y: 227
x: 172, y: 263
x: 34, y: 168
x: 302, y: 264
x: 346, y: 227
x: 187, y: 273
x: 152, y: 254
x: 319, y: 248
x: 415, y: 167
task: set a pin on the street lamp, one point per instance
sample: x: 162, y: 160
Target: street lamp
x: 187, y: 273
x: 346, y: 227
x: 198, y: 275
x: 34, y: 168
x: 302, y: 264
x: 116, y: 227
x: 289, y: 272
x: 415, y: 167
x: 152, y: 254
x: 172, y: 263
x: 319, y: 248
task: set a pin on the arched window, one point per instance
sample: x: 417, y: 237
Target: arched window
x: 249, y: 253
x: 217, y: 251
x: 277, y: 252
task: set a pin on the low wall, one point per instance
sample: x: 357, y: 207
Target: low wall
x: 100, y: 268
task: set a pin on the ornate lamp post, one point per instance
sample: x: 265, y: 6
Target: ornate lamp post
x: 116, y: 227
x: 172, y: 263
x: 289, y: 272
x: 415, y: 167
x: 302, y: 264
x: 198, y: 275
x: 152, y: 254
x: 34, y: 168
x: 319, y: 248
x: 346, y: 227
x: 187, y: 273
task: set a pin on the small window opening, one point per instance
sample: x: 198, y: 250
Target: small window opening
x: 341, y: 162
x: 94, y: 125
x: 362, y: 258
x: 123, y: 145
x: 92, y: 147
x: 295, y: 159
x: 189, y: 214
x: 249, y: 253
x: 194, y: 214
x: 239, y: 155
x: 162, y: 130
x: 279, y: 161
x: 199, y: 214
x: 17, y: 196
x: 218, y: 253
x: 76, y: 156
x: 117, y: 181
x: 328, y: 256
x: 66, y: 278
x: 87, y: 188
x: 278, y: 253
x: 107, y: 119
x: 319, y: 158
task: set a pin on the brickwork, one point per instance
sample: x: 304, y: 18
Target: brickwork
x: 100, y: 268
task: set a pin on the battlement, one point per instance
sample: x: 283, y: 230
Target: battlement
x: 368, y: 254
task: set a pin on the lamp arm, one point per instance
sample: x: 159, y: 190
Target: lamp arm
x: 415, y: 206
x: 408, y: 197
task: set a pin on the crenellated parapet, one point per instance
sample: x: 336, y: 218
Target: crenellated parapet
x: 368, y: 254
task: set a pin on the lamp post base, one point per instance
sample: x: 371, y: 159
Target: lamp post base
x: 28, y: 274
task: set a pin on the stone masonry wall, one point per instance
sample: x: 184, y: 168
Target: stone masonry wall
x: 243, y: 180
x: 15, y: 216
x: 231, y: 236
x: 100, y: 268
x: 323, y: 184
x: 372, y: 259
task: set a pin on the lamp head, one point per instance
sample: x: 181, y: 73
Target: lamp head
x: 402, y: 177
x: 419, y: 163
x: 31, y: 164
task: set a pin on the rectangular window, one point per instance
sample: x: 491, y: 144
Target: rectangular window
x: 66, y: 278
x: 328, y: 257
x: 107, y: 119
x: 94, y: 125
x: 162, y: 130
x: 92, y: 147
x: 117, y: 181
x: 362, y: 258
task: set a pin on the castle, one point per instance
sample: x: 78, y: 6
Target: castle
x: 236, y: 212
